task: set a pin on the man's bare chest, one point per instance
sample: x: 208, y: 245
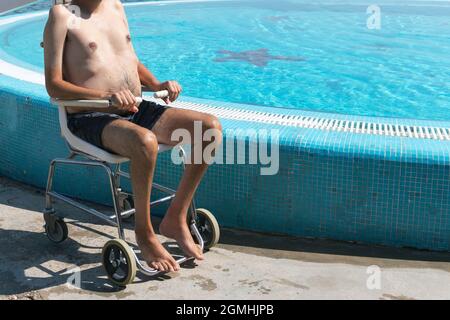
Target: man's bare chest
x: 92, y: 36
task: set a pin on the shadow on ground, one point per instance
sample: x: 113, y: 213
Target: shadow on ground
x: 37, y: 264
x: 32, y: 253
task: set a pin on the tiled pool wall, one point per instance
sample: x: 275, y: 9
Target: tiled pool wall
x: 339, y: 185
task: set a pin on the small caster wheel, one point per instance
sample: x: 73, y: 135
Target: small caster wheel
x: 127, y: 204
x: 119, y: 262
x: 56, y: 229
x: 208, y: 227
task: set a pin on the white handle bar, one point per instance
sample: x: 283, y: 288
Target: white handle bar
x: 161, y: 94
x: 102, y: 103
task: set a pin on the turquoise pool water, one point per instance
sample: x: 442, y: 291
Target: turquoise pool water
x: 291, y: 54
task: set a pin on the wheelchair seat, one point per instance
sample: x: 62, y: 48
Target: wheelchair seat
x: 80, y: 146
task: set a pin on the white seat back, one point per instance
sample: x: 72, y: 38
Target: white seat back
x: 79, y: 144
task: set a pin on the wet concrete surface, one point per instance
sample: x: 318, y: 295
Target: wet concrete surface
x: 245, y: 265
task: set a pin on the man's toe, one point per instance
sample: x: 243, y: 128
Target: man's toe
x: 156, y: 266
x: 199, y: 254
x: 175, y: 265
x: 166, y: 266
x: 170, y: 266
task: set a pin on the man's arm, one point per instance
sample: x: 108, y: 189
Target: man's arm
x: 149, y: 80
x: 54, y: 38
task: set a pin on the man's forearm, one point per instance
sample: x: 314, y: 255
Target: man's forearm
x: 61, y: 89
x: 147, y: 78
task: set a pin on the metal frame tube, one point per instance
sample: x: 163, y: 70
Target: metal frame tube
x: 116, y: 204
x: 81, y: 206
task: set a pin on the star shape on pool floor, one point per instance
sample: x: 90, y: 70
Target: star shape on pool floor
x: 259, y: 58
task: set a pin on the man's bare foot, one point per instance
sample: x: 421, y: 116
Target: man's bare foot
x: 155, y: 254
x: 173, y: 228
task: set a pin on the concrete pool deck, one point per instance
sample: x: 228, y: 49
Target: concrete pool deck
x: 244, y: 266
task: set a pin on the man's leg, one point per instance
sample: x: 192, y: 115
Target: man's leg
x: 174, y: 223
x: 141, y: 147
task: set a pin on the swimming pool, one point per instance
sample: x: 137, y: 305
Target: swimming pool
x: 296, y: 54
x: 312, y: 71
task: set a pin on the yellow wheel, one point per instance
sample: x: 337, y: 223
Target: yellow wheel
x: 119, y: 262
x: 208, y: 227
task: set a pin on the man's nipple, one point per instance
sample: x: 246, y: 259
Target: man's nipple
x: 93, y: 45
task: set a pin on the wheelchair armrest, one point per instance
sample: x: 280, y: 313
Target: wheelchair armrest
x: 100, y: 103
x: 81, y: 103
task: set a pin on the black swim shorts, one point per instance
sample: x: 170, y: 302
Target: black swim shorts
x: 89, y: 125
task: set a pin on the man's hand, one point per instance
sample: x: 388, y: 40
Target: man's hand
x: 124, y: 100
x: 174, y: 89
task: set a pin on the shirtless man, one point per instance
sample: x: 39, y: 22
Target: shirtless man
x: 96, y: 60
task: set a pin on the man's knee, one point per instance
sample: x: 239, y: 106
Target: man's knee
x: 212, y: 133
x: 212, y: 123
x: 145, y: 146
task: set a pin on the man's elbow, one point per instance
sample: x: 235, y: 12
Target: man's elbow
x: 52, y: 89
